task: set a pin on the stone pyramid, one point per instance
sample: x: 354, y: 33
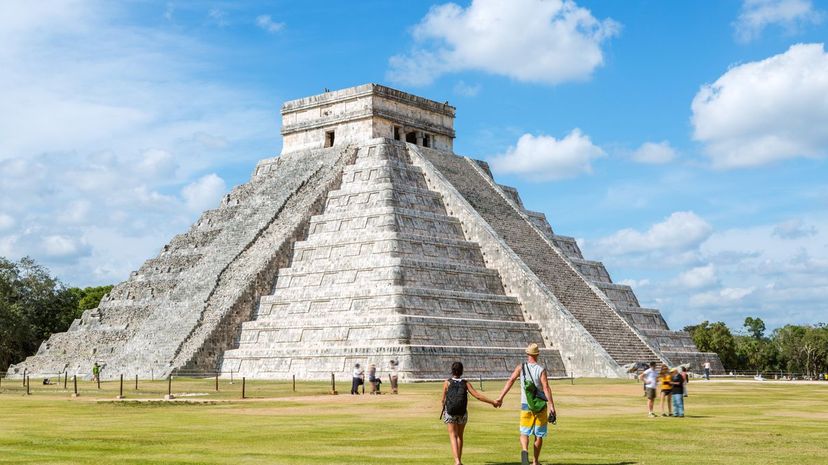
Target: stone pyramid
x: 366, y: 240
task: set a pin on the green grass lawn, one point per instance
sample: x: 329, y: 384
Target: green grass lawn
x: 599, y: 422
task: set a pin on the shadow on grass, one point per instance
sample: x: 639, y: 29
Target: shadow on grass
x: 565, y: 463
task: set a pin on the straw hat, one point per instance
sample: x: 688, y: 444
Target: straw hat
x: 532, y: 349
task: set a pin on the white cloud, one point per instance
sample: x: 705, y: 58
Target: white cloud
x: 654, y: 153
x: 545, y: 41
x: 266, y: 22
x: 700, y: 276
x: 681, y: 231
x: 727, y: 296
x: 64, y: 247
x: 635, y: 284
x: 756, y: 15
x: 764, y: 111
x: 93, y: 175
x: 467, y: 90
x: 793, y: 229
x: 204, y: 193
x: 6, y: 221
x: 544, y: 158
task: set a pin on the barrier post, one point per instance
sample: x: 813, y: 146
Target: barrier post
x: 333, y: 384
x: 572, y: 377
x: 217, y: 375
x: 65, y: 376
x: 136, y: 382
x: 75, y: 385
x: 243, y: 387
x: 231, y: 376
x: 28, y: 383
x: 121, y: 389
x: 294, y: 383
x: 481, y: 381
x: 169, y: 395
x: 24, y: 376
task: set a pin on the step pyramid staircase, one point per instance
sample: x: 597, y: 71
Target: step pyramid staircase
x: 385, y: 274
x: 609, y: 312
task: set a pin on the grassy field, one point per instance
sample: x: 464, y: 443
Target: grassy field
x: 600, y: 422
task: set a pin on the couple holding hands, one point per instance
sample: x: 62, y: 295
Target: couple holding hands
x: 537, y: 406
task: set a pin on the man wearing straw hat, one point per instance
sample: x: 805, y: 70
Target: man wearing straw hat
x: 537, y: 406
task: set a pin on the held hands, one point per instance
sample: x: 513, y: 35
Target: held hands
x: 497, y: 403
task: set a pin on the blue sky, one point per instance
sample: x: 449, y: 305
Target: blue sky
x: 682, y: 143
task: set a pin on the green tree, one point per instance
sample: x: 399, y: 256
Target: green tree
x: 33, y: 305
x: 715, y: 337
x: 755, y: 327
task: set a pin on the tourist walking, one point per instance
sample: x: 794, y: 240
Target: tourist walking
x: 394, y: 376
x: 373, y: 379
x: 650, y: 379
x: 677, y: 383
x: 537, y: 409
x: 666, y: 390
x: 96, y: 372
x: 707, y: 370
x: 455, y: 413
x: 357, y: 379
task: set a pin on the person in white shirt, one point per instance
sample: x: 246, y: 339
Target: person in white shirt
x: 650, y: 379
x: 357, y: 379
x: 707, y: 370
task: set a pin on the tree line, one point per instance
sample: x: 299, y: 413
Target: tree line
x: 33, y: 305
x: 789, y: 349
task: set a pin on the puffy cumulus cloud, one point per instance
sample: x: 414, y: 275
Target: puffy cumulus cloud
x: 266, y: 23
x: 204, y: 193
x: 654, y: 153
x: 724, y: 297
x: 793, y: 229
x: 698, y: 277
x: 94, y: 175
x: 764, y: 111
x: 64, y: 247
x: 545, y: 41
x: 756, y: 15
x: 545, y: 158
x: 681, y: 231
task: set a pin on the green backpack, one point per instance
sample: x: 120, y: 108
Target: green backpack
x: 535, y: 403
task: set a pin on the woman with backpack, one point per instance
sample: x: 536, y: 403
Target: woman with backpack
x: 456, y: 392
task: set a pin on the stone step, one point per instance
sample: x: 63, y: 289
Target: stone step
x: 594, y: 271
x: 351, y: 245
x: 389, y: 271
x: 387, y: 219
x: 619, y: 294
x: 380, y: 195
x: 383, y: 330
x: 568, y: 245
x: 383, y: 171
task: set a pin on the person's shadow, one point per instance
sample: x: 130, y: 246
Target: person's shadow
x: 564, y: 463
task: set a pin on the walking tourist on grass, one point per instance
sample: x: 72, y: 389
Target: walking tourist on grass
x: 650, y: 379
x: 455, y: 408
x: 666, y: 390
x: 394, y: 376
x: 677, y: 393
x: 357, y: 379
x: 537, y: 408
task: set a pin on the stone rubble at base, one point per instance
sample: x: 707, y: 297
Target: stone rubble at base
x: 356, y: 246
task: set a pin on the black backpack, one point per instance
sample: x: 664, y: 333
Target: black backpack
x: 457, y: 397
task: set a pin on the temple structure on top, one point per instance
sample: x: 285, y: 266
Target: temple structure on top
x: 367, y: 240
